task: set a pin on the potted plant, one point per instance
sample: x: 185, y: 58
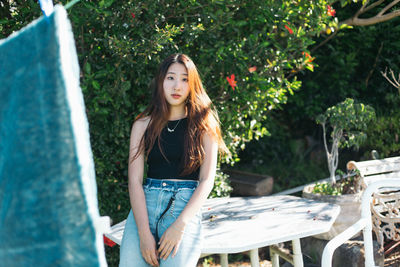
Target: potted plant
x: 345, y: 123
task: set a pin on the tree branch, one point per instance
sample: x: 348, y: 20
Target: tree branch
x: 374, y: 66
x: 377, y: 3
x: 338, y: 136
x: 388, y: 7
x: 324, y: 41
x: 380, y: 17
x: 362, y: 9
x: 324, y: 135
x: 395, y: 83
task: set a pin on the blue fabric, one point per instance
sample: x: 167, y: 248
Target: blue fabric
x: 48, y: 205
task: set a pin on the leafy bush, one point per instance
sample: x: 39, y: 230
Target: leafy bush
x: 384, y: 136
x: 120, y: 44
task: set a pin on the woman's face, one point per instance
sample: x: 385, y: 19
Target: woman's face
x: 176, y: 86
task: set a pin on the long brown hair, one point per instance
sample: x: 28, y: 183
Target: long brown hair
x: 202, y: 118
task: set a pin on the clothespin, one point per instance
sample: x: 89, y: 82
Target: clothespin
x: 47, y: 7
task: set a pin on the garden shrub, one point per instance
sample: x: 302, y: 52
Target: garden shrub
x: 120, y: 44
x: 384, y: 137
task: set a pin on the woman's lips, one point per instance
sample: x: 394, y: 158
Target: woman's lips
x: 176, y: 96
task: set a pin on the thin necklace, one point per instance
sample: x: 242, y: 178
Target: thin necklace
x: 172, y: 130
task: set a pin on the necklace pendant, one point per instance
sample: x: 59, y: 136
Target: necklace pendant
x: 172, y: 130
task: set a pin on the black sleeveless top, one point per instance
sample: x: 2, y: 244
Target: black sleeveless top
x: 172, y: 143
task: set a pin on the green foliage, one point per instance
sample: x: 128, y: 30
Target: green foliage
x: 120, y: 45
x: 345, y: 185
x: 13, y: 16
x: 222, y: 38
x: 207, y: 261
x: 349, y: 118
x: 349, y: 67
x: 384, y: 136
x: 290, y: 161
x: 346, y: 2
x: 327, y: 188
x: 221, y: 185
x: 346, y: 122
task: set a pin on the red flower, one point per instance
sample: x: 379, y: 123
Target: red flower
x: 331, y: 11
x: 133, y: 15
x: 289, y: 29
x: 252, y: 69
x: 232, y: 81
x: 308, y: 60
x: 108, y: 241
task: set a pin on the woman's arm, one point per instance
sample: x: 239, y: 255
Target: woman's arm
x: 136, y: 193
x: 173, y: 235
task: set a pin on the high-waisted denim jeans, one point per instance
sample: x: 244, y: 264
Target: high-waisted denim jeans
x: 165, y: 200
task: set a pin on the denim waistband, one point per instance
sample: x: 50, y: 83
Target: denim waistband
x: 168, y: 184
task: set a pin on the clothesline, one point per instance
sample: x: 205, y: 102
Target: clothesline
x: 70, y: 4
x: 48, y: 7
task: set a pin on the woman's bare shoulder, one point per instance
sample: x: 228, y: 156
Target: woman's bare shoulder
x: 141, y: 124
x: 144, y: 120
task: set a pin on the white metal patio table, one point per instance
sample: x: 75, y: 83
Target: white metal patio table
x: 237, y: 224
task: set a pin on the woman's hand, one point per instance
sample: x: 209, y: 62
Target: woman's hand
x: 148, y: 249
x: 171, y: 240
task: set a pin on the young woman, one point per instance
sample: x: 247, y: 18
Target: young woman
x: 179, y: 137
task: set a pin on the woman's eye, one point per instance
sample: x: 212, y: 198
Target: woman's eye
x: 170, y: 78
x: 185, y: 79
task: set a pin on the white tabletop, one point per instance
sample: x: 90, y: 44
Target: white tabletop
x: 239, y: 224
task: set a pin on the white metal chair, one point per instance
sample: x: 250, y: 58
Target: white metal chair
x: 385, y: 203
x: 365, y: 224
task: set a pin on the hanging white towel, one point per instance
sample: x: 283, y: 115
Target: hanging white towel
x: 48, y: 201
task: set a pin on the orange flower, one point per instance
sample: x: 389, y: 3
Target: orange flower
x: 289, y: 29
x: 252, y: 69
x: 232, y: 81
x: 331, y: 11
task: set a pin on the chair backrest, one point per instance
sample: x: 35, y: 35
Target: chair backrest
x: 376, y: 167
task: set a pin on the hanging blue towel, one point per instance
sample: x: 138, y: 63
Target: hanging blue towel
x: 48, y: 200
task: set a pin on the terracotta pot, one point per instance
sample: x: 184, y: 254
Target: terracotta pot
x: 350, y: 210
